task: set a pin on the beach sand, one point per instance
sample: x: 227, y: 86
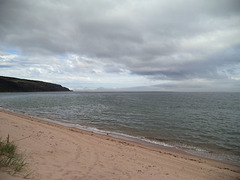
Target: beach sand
x: 58, y: 152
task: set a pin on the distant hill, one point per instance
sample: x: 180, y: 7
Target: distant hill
x: 10, y: 84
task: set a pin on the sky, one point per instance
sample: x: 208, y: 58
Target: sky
x: 148, y: 45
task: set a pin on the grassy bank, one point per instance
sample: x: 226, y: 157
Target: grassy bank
x: 10, y: 160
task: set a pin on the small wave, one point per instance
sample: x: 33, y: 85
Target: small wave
x: 123, y: 136
x: 157, y: 143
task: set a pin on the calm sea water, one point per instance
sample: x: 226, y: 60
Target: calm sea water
x: 205, y: 124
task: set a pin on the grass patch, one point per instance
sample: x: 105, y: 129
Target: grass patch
x: 9, y: 157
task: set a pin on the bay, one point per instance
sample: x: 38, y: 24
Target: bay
x: 205, y: 124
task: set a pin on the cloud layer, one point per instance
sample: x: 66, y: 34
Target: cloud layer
x: 173, y: 45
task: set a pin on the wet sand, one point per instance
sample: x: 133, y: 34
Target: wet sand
x: 57, y: 152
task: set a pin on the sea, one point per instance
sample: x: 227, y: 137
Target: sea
x: 205, y: 124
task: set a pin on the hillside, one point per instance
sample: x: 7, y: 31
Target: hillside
x: 9, y: 84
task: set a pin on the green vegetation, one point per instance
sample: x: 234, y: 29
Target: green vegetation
x: 9, y: 158
x: 9, y: 84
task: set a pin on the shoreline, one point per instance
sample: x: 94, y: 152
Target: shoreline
x: 138, y: 140
x: 128, y: 154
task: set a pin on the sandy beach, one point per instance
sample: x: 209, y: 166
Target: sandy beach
x: 58, y: 152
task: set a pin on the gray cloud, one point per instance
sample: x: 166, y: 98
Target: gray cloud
x: 156, y: 39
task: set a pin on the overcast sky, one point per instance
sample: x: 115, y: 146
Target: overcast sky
x: 177, y: 45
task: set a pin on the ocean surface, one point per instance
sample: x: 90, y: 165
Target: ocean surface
x: 204, y: 124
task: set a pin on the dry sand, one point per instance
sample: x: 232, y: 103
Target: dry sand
x: 57, y: 152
